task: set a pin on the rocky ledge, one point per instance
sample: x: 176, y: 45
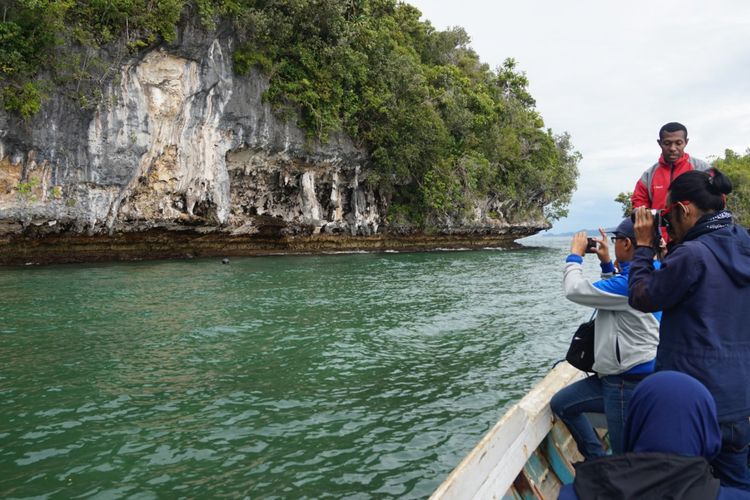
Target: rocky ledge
x: 160, y: 244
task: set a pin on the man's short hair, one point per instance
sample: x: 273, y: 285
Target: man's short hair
x: 672, y: 127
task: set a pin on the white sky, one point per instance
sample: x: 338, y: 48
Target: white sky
x: 612, y: 73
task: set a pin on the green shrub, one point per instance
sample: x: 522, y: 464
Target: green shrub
x: 25, y: 100
x: 25, y: 189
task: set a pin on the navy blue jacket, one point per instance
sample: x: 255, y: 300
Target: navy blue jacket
x: 703, y: 290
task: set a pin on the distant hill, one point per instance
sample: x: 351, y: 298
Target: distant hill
x: 593, y: 232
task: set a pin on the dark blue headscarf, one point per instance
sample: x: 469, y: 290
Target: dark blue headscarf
x: 671, y: 412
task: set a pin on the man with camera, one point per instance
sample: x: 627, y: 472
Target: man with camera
x: 625, y: 341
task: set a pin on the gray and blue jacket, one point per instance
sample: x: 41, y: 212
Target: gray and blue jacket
x: 625, y: 339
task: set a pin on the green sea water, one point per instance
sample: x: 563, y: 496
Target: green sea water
x: 333, y: 376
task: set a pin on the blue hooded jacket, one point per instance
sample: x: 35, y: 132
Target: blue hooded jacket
x: 703, y: 290
x: 671, y: 435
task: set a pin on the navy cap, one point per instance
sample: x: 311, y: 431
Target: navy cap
x: 625, y: 229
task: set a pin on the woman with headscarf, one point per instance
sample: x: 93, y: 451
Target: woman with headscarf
x: 703, y: 291
x: 671, y: 435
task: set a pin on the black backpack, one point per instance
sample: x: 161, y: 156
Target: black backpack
x: 581, y: 351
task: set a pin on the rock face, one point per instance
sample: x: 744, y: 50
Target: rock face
x: 183, y: 150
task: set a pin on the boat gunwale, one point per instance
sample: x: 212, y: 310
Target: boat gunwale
x: 493, y: 464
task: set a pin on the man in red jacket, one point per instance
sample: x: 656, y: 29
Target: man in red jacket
x: 651, y: 189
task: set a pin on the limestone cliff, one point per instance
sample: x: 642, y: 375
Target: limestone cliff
x: 183, y: 157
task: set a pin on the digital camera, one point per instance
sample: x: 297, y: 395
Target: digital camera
x: 590, y: 245
x: 658, y: 220
x: 659, y: 223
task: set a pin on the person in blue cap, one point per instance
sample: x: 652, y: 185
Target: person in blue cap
x: 671, y: 435
x: 625, y: 341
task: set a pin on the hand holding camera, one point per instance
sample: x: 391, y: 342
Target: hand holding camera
x: 590, y: 245
x: 582, y: 245
x: 647, y: 223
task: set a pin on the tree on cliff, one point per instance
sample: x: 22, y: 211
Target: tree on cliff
x: 446, y: 134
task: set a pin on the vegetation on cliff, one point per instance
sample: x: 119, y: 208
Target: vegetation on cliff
x: 445, y: 132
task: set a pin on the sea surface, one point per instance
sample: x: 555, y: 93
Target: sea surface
x: 329, y: 376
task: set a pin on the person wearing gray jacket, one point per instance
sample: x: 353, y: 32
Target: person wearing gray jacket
x: 625, y: 342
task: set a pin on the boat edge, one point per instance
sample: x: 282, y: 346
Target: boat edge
x: 489, y: 470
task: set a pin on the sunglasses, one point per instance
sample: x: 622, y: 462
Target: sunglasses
x: 666, y: 214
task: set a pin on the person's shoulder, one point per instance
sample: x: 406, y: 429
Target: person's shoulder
x: 653, y: 167
x: 740, y: 232
x: 649, y: 173
x: 730, y: 236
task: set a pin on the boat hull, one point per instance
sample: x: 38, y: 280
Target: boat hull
x: 527, y: 454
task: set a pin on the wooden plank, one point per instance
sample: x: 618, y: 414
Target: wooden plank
x: 525, y: 488
x: 490, y: 469
x: 540, y: 473
x: 562, y: 468
x: 565, y: 442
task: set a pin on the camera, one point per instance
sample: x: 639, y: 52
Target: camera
x: 590, y: 245
x: 658, y: 220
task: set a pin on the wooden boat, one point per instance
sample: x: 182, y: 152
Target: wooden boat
x: 526, y: 455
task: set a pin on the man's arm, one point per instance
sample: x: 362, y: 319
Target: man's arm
x: 641, y: 197
x: 602, y: 294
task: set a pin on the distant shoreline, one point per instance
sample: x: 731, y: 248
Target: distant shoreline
x: 571, y: 233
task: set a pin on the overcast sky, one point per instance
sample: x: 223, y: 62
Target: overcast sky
x: 611, y: 73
